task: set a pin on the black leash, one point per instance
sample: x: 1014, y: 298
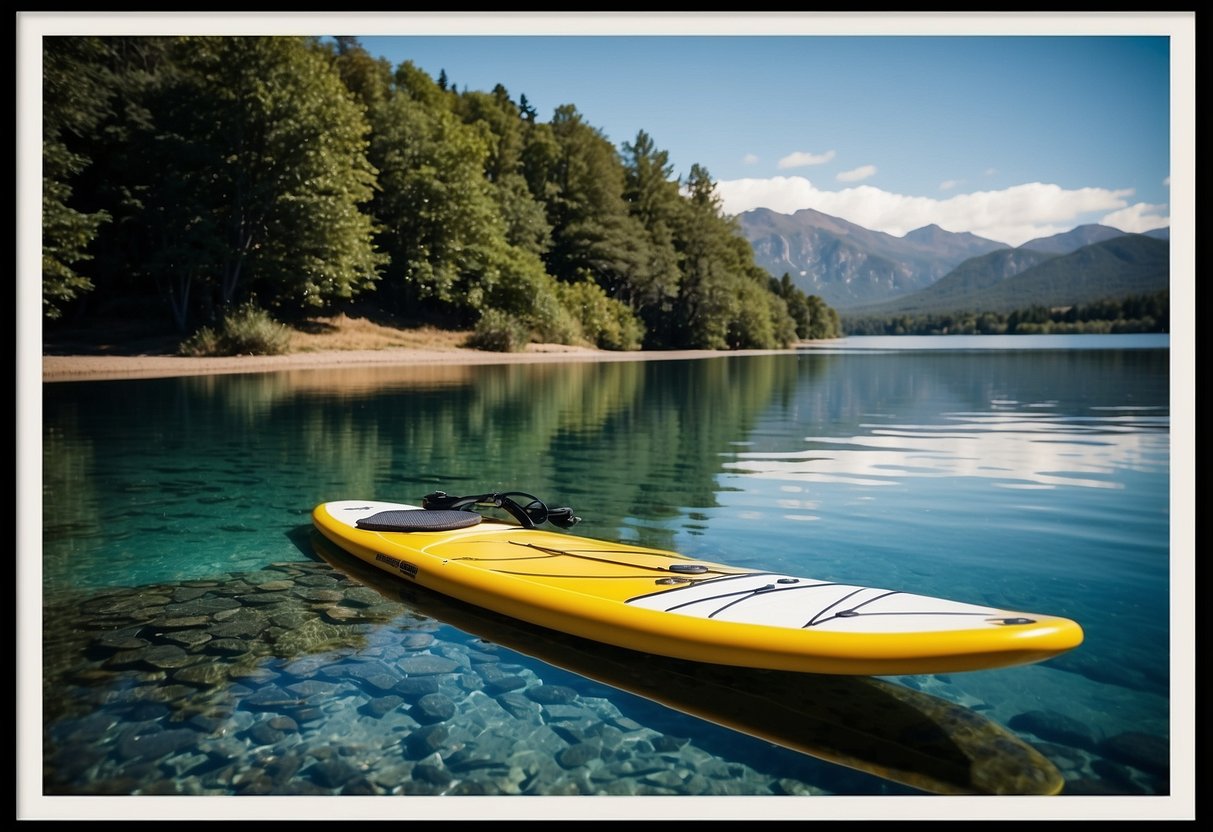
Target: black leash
x: 531, y: 513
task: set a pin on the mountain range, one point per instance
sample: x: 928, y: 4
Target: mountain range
x: 859, y: 271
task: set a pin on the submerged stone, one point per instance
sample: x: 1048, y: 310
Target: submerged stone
x: 1148, y: 752
x: 228, y: 646
x: 1050, y: 725
x: 188, y: 638
x: 155, y: 744
x: 551, y: 694
x: 579, y: 754
x: 362, y: 596
x: 203, y: 674
x: 381, y: 705
x: 332, y: 773
x: 428, y: 665
x: 416, y: 641
x: 414, y: 687
x: 180, y: 622
x: 433, y: 707
x: 425, y: 741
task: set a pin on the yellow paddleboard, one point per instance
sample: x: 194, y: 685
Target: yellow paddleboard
x: 665, y: 603
x: 871, y: 725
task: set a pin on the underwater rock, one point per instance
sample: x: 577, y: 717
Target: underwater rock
x: 428, y: 665
x: 551, y: 694
x: 667, y: 743
x: 579, y: 754
x: 332, y: 773
x: 1148, y: 752
x: 179, y: 622
x: 314, y: 689
x: 433, y: 707
x: 431, y: 770
x: 155, y: 744
x: 416, y: 641
x: 425, y: 741
x: 1118, y: 777
x: 228, y: 646
x: 187, y: 638
x: 271, y: 698
x: 413, y: 688
x: 518, y: 706
x: 1050, y: 725
x: 381, y: 705
x: 362, y: 596
x: 505, y: 683
x: 263, y: 733
x: 203, y: 674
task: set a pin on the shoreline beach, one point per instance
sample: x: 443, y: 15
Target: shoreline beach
x: 57, y: 368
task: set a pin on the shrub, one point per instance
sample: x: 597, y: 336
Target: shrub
x: 498, y: 331
x: 246, y: 330
x: 607, y: 323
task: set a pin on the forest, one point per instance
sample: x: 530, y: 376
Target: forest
x: 204, y: 180
x: 1134, y: 313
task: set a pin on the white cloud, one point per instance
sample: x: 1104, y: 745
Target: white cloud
x: 857, y: 174
x: 949, y: 184
x: 1167, y: 182
x: 1138, y: 218
x: 749, y: 159
x: 1013, y: 215
x: 801, y: 159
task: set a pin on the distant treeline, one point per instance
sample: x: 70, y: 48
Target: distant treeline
x: 188, y: 177
x: 1139, y: 313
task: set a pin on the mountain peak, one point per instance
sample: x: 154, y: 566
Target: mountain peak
x: 1074, y: 239
x: 849, y: 266
x: 846, y: 264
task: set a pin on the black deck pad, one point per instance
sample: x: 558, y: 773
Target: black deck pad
x: 419, y: 520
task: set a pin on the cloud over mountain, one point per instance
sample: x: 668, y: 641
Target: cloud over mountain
x: 1011, y: 215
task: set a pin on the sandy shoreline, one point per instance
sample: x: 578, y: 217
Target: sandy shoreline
x: 103, y: 367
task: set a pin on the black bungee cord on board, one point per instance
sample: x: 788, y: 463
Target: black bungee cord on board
x: 527, y: 509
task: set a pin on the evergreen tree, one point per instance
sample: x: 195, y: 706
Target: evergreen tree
x: 593, y: 233
x: 653, y: 197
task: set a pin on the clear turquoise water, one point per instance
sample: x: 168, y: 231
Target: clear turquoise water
x: 1025, y: 473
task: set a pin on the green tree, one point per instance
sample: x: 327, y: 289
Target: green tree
x: 76, y: 95
x: 256, y: 157
x: 652, y: 193
x: 526, y: 222
x: 593, y: 232
x: 436, y: 208
x: 797, y: 303
x: 451, y: 251
x: 368, y: 78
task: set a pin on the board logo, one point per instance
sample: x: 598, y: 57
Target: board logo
x: 388, y: 559
x: 407, y: 568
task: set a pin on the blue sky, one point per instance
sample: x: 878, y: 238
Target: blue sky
x: 1008, y: 137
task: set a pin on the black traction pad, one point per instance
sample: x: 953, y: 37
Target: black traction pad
x: 418, y: 520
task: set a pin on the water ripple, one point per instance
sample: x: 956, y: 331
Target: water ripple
x: 1015, y: 450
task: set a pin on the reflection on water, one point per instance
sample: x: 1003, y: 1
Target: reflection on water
x: 1033, y: 479
x: 1014, y: 450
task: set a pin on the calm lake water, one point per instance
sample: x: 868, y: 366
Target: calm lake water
x: 198, y: 642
